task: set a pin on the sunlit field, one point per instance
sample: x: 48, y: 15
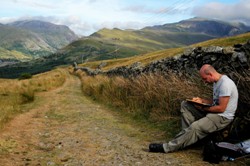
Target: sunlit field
x: 14, y: 92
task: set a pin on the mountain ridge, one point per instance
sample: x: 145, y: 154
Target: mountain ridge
x: 34, y: 38
x: 108, y: 44
x: 115, y: 43
x: 49, y: 62
x: 216, y: 28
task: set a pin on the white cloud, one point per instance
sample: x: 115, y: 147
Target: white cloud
x: 229, y: 12
x: 87, y: 16
x: 32, y: 4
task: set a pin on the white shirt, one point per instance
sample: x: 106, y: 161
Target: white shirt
x: 226, y: 87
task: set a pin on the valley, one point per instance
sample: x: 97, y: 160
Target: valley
x: 102, y: 83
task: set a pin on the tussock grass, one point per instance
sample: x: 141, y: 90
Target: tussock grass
x: 152, y: 97
x: 13, y: 93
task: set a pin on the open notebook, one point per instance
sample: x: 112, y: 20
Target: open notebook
x: 201, y: 104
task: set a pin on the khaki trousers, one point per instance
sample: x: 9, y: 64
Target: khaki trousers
x: 196, y: 125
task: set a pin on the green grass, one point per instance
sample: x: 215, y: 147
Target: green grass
x: 14, y: 93
x: 157, y: 55
x: 130, y: 39
x: 150, y: 98
x: 112, y: 44
x: 13, y: 54
x: 226, y: 41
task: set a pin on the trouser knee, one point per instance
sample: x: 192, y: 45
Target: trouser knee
x: 183, y: 103
x: 184, y: 106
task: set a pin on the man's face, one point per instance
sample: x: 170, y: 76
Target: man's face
x: 207, y: 78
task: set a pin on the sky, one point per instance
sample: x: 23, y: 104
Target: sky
x: 85, y: 17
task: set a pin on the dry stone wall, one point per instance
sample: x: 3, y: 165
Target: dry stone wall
x: 224, y: 59
x: 233, y: 61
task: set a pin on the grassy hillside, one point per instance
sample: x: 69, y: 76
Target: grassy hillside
x: 116, y: 43
x: 226, y: 41
x: 33, y: 38
x: 14, y: 93
x: 56, y: 36
x: 90, y: 50
x: 147, y: 58
x: 7, y: 54
x: 111, y: 44
x: 76, y: 52
x: 38, y: 38
x: 138, y: 40
x: 23, y: 41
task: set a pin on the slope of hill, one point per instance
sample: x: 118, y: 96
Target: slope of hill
x: 161, y: 54
x: 13, y: 55
x: 112, y: 44
x: 213, y: 28
x: 116, y: 43
x: 23, y: 41
x: 34, y: 38
x: 49, y: 62
x: 56, y: 36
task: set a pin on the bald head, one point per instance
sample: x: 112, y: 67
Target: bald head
x: 207, y: 69
x: 209, y: 74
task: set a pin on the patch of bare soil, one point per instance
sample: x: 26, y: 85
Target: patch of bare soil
x: 62, y: 127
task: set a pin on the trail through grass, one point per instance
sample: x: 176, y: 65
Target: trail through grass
x: 63, y: 127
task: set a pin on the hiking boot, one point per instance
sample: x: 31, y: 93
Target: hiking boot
x: 154, y: 147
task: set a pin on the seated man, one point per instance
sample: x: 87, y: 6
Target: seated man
x: 198, y: 122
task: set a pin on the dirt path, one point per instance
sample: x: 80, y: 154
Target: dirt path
x: 62, y: 127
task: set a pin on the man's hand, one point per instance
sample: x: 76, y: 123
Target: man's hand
x: 197, y: 99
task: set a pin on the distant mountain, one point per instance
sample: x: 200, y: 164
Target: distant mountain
x: 34, y: 38
x: 101, y: 45
x: 55, y: 35
x: 116, y: 43
x: 215, y: 28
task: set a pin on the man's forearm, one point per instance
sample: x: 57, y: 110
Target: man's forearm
x: 214, y: 109
x: 207, y: 101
